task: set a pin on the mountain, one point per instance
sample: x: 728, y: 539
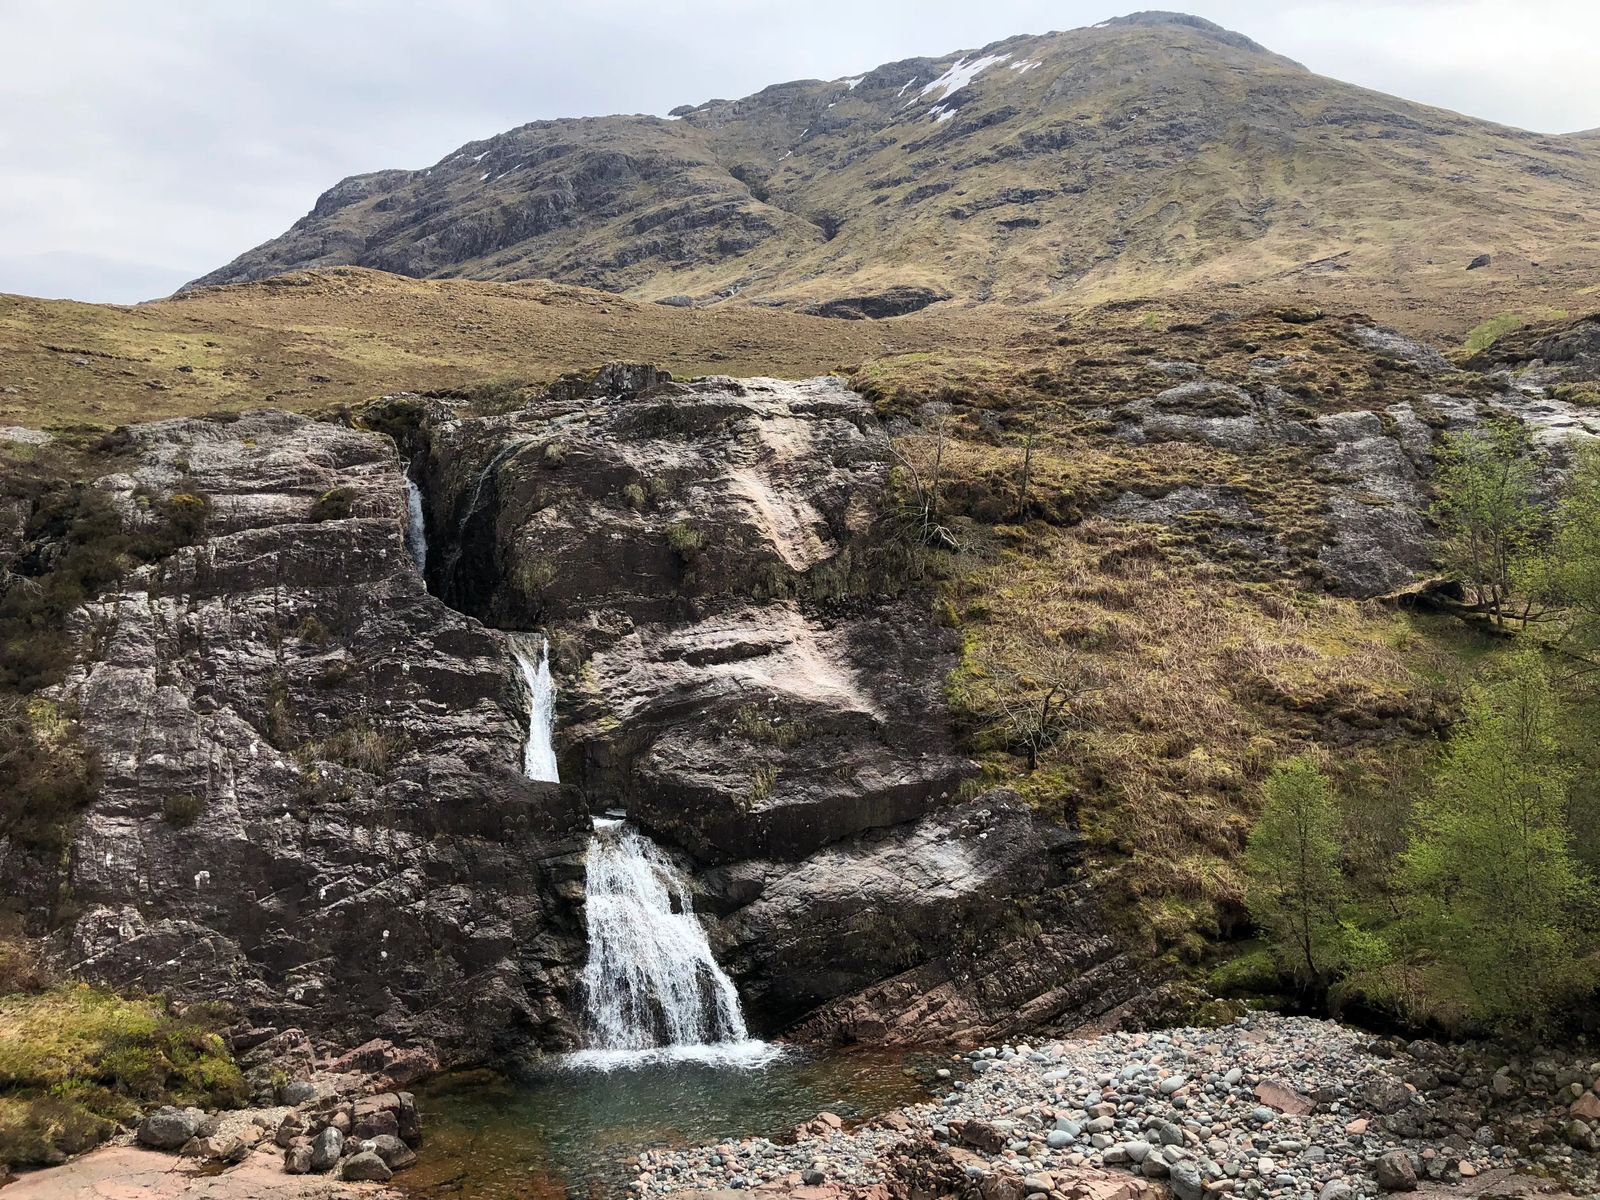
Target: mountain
x: 1153, y: 152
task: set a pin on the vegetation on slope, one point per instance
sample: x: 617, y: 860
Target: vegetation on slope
x: 1151, y: 681
x: 1482, y: 913
x: 76, y: 1061
x: 1149, y: 154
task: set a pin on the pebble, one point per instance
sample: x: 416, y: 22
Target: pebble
x: 1113, y: 1103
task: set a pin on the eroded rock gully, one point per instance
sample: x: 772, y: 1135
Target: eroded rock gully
x: 312, y: 802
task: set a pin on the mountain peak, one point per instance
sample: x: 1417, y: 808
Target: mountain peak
x: 1158, y: 151
x: 1155, y: 18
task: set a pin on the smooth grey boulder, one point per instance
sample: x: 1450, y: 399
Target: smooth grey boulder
x: 326, y: 1149
x: 169, y: 1128
x: 365, y: 1167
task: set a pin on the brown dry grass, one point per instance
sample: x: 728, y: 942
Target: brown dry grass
x: 1188, y: 683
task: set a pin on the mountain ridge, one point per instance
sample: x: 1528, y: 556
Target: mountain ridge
x: 1150, y: 153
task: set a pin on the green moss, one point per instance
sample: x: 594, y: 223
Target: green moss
x: 75, y: 1060
x: 1491, y: 331
x: 334, y: 505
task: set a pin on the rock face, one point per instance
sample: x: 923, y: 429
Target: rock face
x: 956, y: 900
x: 740, y: 670
x: 311, y: 801
x: 1373, y: 464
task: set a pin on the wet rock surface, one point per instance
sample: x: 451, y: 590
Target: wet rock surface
x: 310, y: 803
x: 742, y: 671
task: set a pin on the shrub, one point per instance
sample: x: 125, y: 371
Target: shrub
x: 46, y: 774
x: 1292, y: 863
x: 685, y: 539
x: 334, y: 505
x: 182, y: 809
x: 357, y: 745
x: 186, y: 514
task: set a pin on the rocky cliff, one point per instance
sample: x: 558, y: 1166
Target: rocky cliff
x: 310, y: 800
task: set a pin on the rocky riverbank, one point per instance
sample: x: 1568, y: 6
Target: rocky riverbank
x: 1284, y: 1108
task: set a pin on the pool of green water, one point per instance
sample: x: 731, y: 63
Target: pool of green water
x: 568, y: 1132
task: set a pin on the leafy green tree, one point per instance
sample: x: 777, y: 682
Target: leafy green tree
x: 1295, y: 889
x: 1566, y: 576
x: 1485, y: 510
x: 1497, y: 889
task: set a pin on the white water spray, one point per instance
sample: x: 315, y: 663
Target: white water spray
x: 416, y: 526
x: 652, y: 989
x: 538, y: 752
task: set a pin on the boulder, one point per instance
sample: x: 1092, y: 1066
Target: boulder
x: 326, y: 1149
x: 365, y: 1167
x: 1187, y: 1183
x: 1384, y: 1094
x: 1396, y: 1171
x: 290, y: 1130
x: 396, y: 1155
x: 169, y: 1128
x: 297, y: 1159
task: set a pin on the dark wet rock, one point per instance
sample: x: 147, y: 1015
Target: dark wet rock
x: 732, y: 672
x: 875, y: 306
x: 365, y: 857
x: 396, y: 1155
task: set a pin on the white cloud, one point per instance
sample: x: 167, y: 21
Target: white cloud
x: 160, y: 139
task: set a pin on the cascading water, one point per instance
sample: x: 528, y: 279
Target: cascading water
x: 416, y: 526
x: 474, y: 503
x: 538, y: 752
x: 652, y: 989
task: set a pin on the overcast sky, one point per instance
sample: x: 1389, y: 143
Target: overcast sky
x: 146, y: 142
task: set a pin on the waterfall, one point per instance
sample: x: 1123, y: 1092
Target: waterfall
x: 538, y: 751
x: 474, y: 501
x: 416, y: 526
x: 651, y: 988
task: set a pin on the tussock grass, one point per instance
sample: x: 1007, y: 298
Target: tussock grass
x: 1186, y: 685
x: 76, y: 1060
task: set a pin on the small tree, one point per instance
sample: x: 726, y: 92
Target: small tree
x: 1485, y: 510
x: 1567, y: 575
x: 1497, y: 890
x: 1292, y: 864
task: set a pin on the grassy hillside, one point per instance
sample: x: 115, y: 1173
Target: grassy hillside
x: 312, y: 339
x: 1152, y: 154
